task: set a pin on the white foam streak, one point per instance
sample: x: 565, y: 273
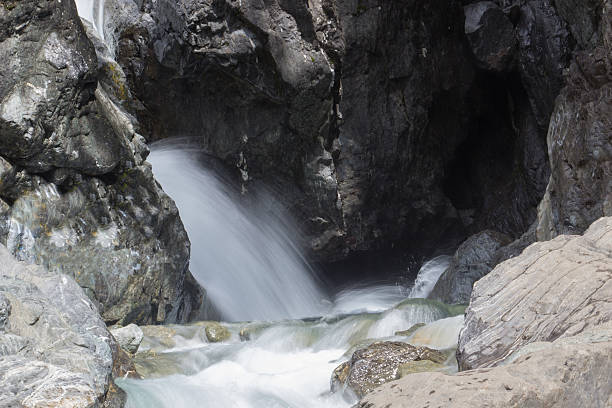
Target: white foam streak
x: 428, y: 275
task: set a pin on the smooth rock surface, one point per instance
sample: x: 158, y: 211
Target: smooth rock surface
x: 552, y: 290
x: 567, y: 373
x: 474, y: 259
x: 54, y: 348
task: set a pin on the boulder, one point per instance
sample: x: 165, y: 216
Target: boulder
x: 55, y: 349
x: 128, y: 337
x: 380, y: 363
x: 567, y: 373
x: 216, y: 333
x: 474, y: 259
x: 75, y: 193
x: 491, y: 36
x: 554, y: 289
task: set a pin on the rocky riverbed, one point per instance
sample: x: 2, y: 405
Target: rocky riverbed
x: 331, y: 144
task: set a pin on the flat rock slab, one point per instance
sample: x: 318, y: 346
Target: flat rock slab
x: 568, y: 373
x: 553, y: 289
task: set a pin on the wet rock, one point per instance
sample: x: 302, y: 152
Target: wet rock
x: 77, y: 196
x: 216, y: 333
x: 552, y: 290
x: 162, y: 335
x: 54, y: 348
x: 491, y: 36
x: 410, y: 331
x: 569, y: 372
x: 579, y: 143
x: 128, y: 337
x: 474, y: 259
x: 377, y: 364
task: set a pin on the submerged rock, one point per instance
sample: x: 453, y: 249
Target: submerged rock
x: 128, y: 337
x: 216, y: 333
x: 54, y: 348
x: 379, y: 363
x: 553, y: 289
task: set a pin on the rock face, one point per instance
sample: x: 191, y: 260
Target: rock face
x: 75, y: 193
x: 54, y: 348
x: 370, y: 118
x: 473, y: 260
x: 538, y: 333
x: 569, y: 372
x: 553, y: 289
x: 380, y: 363
x: 491, y: 35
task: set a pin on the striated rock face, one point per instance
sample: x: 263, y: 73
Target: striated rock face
x: 473, y: 259
x: 382, y: 362
x: 579, y: 137
x: 567, y: 373
x: 553, y: 289
x: 75, y: 193
x: 54, y: 348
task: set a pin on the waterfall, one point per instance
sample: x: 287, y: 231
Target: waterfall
x: 428, y: 275
x: 92, y: 11
x: 244, y: 258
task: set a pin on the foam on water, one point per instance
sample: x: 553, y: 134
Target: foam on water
x: 428, y: 275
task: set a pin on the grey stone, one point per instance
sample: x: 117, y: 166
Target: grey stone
x: 54, y: 348
x: 128, y: 337
x: 474, y: 259
x: 552, y: 290
x: 567, y: 373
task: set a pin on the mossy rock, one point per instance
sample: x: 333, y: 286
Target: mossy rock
x: 216, y: 333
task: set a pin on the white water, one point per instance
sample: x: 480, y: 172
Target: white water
x: 244, y: 258
x: 428, y: 275
x: 285, y: 364
x: 92, y: 11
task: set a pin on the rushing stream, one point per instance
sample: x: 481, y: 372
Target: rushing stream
x: 287, y: 335
x: 256, y: 278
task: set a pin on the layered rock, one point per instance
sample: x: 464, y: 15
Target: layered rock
x: 77, y: 196
x: 54, y: 348
x: 569, y: 372
x: 538, y: 333
x: 553, y: 289
x: 579, y: 137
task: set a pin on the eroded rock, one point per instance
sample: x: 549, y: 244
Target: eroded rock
x: 380, y: 363
x: 554, y: 289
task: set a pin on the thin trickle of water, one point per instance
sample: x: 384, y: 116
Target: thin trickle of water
x: 92, y: 11
x: 244, y: 258
x: 428, y: 275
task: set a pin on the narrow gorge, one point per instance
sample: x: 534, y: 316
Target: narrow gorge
x: 307, y: 203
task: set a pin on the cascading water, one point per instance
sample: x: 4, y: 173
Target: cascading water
x: 428, y: 275
x: 244, y: 258
x: 92, y: 11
